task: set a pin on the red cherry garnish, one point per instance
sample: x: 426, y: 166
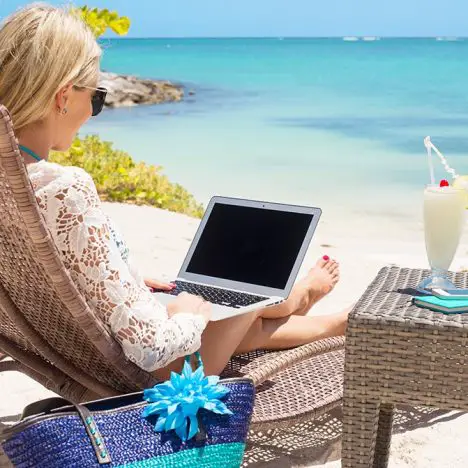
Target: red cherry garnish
x: 444, y: 183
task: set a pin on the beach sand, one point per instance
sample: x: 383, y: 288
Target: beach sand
x: 363, y: 244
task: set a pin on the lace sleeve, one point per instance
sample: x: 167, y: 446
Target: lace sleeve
x: 138, y: 321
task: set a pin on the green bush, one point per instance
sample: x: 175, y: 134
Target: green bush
x: 119, y: 178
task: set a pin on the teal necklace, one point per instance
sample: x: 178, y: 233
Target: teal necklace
x: 30, y: 152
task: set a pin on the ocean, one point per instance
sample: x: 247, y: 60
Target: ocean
x: 336, y: 123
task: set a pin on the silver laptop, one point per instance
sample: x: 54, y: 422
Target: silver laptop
x: 245, y: 255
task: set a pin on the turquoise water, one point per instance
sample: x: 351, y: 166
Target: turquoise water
x: 318, y: 121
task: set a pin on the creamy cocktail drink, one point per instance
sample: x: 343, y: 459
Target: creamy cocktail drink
x: 444, y: 219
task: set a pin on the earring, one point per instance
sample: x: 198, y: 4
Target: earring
x: 64, y: 111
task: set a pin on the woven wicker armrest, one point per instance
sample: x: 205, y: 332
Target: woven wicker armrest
x: 57, y: 383
x: 289, y: 358
x: 41, y: 371
x: 9, y: 366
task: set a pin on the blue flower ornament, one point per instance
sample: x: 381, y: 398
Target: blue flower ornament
x: 178, y: 400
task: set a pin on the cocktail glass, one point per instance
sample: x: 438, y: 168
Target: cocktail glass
x: 444, y: 218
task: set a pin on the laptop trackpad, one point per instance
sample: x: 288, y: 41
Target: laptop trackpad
x: 218, y: 312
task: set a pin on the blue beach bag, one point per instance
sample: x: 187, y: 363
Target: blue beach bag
x: 188, y: 421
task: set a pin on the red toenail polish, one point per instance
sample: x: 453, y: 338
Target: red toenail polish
x: 326, y: 258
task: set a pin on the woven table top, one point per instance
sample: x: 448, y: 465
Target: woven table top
x: 387, y: 300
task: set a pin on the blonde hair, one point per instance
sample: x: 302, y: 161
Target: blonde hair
x: 42, y: 49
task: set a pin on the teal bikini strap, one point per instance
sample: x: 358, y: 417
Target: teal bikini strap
x: 30, y: 152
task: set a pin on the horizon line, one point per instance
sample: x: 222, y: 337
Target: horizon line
x: 287, y: 37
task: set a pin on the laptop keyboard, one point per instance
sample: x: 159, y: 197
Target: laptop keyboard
x: 215, y: 295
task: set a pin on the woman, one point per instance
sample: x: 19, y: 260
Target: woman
x: 49, y: 70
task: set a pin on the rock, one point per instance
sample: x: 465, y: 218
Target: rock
x: 126, y: 90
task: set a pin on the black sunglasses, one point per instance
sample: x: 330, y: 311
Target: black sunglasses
x: 97, y: 101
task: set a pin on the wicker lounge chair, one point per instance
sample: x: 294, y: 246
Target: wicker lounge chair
x: 50, y: 333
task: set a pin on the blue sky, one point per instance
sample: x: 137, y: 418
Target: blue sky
x: 234, y: 18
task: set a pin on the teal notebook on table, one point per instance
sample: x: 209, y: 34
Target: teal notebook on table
x: 442, y: 305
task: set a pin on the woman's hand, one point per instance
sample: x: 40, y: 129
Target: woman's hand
x: 159, y: 285
x: 191, y: 304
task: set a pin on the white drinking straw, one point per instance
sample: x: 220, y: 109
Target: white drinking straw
x: 428, y: 145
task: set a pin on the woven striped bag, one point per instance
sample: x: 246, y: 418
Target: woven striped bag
x: 124, y: 431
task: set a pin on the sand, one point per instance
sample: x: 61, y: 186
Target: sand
x: 363, y: 243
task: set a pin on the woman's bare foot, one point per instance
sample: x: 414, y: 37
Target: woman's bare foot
x: 320, y: 280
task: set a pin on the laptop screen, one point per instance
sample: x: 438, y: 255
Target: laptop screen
x: 250, y: 245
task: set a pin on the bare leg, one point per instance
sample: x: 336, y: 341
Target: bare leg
x: 219, y: 342
x: 295, y: 330
x: 320, y: 280
x: 222, y: 339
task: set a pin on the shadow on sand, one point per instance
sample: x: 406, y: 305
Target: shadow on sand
x: 319, y: 441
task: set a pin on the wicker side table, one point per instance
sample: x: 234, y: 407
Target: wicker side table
x: 397, y: 353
